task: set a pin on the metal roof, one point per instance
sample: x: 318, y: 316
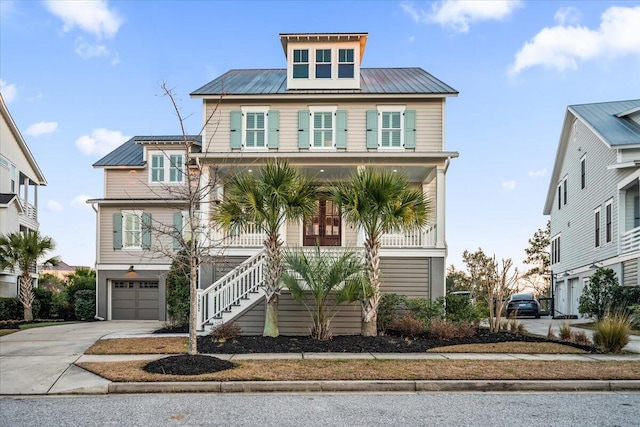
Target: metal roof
x: 610, y: 120
x: 382, y: 81
x: 131, y: 152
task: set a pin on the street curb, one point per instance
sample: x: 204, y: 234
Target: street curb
x: 368, y: 386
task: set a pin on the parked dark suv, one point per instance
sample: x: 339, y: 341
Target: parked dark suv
x: 522, y: 305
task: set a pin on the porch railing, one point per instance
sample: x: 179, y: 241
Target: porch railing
x: 30, y: 210
x: 249, y: 238
x: 410, y: 239
x: 630, y: 240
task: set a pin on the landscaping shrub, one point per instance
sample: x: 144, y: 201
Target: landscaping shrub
x: 425, y: 309
x: 226, y: 331
x: 565, y: 332
x: 624, y: 297
x: 76, y: 286
x: 612, y: 332
x: 634, y: 315
x: 550, y: 334
x: 461, y: 308
x: 178, y: 288
x: 446, y: 330
x: 11, y: 309
x: 580, y: 337
x: 597, y: 297
x: 388, y: 309
x: 42, y: 304
x: 408, y: 325
x: 85, y: 307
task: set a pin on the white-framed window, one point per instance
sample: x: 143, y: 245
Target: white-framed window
x: 564, y: 190
x: 301, y: 63
x: 555, y: 249
x: 14, y: 179
x: 131, y: 229
x: 596, y: 228
x: 4, y: 163
x: 323, y: 127
x: 166, y: 167
x: 583, y: 172
x: 346, y: 63
x: 323, y: 63
x: 608, y: 218
x: 391, y: 127
x: 254, y: 125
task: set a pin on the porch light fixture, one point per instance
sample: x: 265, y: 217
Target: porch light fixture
x: 594, y: 266
x: 131, y: 270
x: 566, y: 273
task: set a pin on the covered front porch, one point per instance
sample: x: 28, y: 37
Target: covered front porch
x: 629, y: 215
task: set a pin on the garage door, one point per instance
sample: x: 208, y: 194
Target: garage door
x: 134, y: 300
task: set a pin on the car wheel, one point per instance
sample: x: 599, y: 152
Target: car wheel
x: 538, y: 316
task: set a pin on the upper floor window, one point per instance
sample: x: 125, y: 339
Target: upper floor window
x: 254, y: 130
x: 391, y: 130
x: 323, y: 64
x: 167, y: 167
x: 131, y: 230
x: 14, y: 179
x: 346, y: 64
x: 583, y: 172
x: 564, y: 190
x: 562, y: 193
x: 322, y: 121
x: 391, y: 127
x: 608, y: 217
x: 555, y: 249
x: 301, y: 63
x: 596, y: 217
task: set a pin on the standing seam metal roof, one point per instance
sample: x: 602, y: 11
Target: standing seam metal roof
x: 372, y: 81
x: 131, y: 152
x: 602, y: 117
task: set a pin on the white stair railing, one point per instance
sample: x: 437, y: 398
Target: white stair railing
x: 231, y: 289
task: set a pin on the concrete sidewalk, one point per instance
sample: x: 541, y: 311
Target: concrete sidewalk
x: 41, y: 361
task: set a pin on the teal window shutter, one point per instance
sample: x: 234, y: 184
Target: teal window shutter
x: 303, y: 129
x: 236, y: 129
x: 410, y: 129
x: 117, y: 230
x: 372, y: 129
x: 146, y: 231
x: 274, y: 128
x: 177, y: 224
x: 341, y: 129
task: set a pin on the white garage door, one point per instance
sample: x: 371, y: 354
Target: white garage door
x: 134, y: 300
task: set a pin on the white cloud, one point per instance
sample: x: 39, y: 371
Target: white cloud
x: 563, y: 46
x: 538, y: 173
x: 54, y: 206
x: 80, y: 201
x: 93, y: 17
x: 509, y: 185
x: 459, y: 14
x: 41, y: 128
x: 567, y: 15
x: 100, y: 142
x: 88, y: 50
x: 9, y: 91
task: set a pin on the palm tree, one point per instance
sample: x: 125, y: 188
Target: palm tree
x: 378, y: 202
x: 329, y: 279
x: 266, y: 199
x: 22, y: 251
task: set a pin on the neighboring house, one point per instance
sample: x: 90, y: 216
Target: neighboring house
x: 594, y: 199
x: 61, y: 270
x: 327, y: 116
x: 20, y: 177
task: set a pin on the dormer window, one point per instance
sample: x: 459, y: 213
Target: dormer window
x: 346, y: 64
x: 323, y: 63
x: 301, y: 63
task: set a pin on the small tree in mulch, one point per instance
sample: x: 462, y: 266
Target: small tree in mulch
x: 597, y: 296
x: 321, y: 280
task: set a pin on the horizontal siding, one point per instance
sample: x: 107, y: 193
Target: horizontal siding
x: 12, y: 151
x: 429, y: 124
x: 575, y: 220
x: 405, y: 276
x: 134, y: 184
x: 215, y: 268
x: 630, y: 272
x: 160, y: 243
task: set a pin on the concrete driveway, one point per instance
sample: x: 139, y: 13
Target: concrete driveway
x: 40, y: 360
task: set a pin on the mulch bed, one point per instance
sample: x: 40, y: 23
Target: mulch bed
x: 186, y: 364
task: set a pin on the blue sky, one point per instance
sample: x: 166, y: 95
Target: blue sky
x: 81, y: 77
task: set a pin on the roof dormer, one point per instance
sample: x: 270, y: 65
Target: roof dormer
x: 323, y: 60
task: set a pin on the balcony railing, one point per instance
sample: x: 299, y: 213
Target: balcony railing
x: 251, y: 238
x: 30, y: 211
x: 410, y: 239
x: 630, y: 240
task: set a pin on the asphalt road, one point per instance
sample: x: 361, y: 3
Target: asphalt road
x: 459, y: 409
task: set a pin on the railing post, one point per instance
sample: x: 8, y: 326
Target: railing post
x: 199, y: 312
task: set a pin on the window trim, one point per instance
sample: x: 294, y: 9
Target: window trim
x: 13, y: 178
x: 255, y: 109
x: 391, y: 109
x: 608, y: 218
x: 597, y: 226
x: 167, y: 166
x: 323, y: 62
x: 352, y: 63
x: 300, y: 63
x: 564, y: 190
x: 555, y: 249
x: 583, y: 172
x: 322, y: 109
x: 137, y: 214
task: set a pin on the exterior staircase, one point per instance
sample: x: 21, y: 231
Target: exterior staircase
x: 232, y: 294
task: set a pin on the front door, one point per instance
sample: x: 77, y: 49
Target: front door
x: 325, y: 228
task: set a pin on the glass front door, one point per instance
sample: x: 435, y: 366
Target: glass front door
x: 325, y: 226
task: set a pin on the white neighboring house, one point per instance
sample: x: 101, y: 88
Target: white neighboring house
x: 594, y: 199
x: 20, y: 177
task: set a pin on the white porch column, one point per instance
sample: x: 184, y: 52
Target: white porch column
x: 440, y: 207
x: 205, y: 206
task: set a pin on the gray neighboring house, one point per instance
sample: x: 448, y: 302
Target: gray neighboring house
x: 328, y: 117
x: 594, y: 199
x: 20, y: 177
